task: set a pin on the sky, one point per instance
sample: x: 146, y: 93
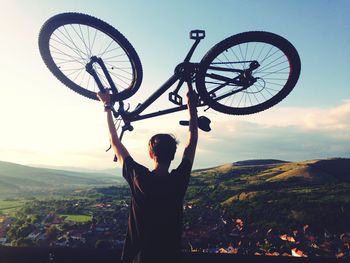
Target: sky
x: 45, y: 123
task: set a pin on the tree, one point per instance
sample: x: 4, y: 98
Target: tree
x: 36, y: 219
x: 52, y: 233
x: 24, y: 231
x: 24, y: 242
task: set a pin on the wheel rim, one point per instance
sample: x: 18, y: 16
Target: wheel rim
x: 273, y: 75
x: 72, y: 45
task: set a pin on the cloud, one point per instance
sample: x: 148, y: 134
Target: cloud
x: 287, y: 133
x: 330, y: 119
x: 335, y: 119
x: 292, y: 133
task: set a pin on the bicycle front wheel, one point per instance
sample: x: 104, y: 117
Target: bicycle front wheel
x: 248, y: 73
x: 68, y: 41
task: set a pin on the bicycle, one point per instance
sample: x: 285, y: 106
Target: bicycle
x: 243, y: 74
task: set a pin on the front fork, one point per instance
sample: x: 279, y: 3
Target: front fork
x: 91, y: 70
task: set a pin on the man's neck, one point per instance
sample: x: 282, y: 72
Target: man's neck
x: 161, y: 169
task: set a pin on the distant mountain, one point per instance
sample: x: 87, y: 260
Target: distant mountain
x: 112, y: 171
x: 257, y: 172
x: 16, y: 179
x: 274, y: 193
x: 259, y: 162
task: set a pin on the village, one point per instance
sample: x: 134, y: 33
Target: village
x: 66, y: 223
x: 101, y: 223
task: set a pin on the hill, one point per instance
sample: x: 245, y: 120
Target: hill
x: 21, y: 180
x: 274, y: 193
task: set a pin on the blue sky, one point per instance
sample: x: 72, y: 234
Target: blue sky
x: 45, y: 123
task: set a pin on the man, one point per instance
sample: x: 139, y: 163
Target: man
x: 155, y: 218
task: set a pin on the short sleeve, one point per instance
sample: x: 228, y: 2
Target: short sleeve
x: 182, y: 176
x: 129, y: 169
x: 132, y: 170
x: 184, y: 168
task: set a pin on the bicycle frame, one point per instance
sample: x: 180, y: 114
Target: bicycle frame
x: 184, y: 72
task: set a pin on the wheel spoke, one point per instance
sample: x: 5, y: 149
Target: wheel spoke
x: 274, y: 72
x: 75, y: 50
x: 68, y: 36
x: 88, y: 33
x: 116, y: 56
x: 121, y: 69
x: 77, y: 75
x: 234, y: 53
x: 232, y: 84
x: 265, y: 67
x: 88, y: 52
x: 72, y: 73
x: 227, y: 60
x: 105, y: 50
x: 250, y: 100
x: 121, y: 78
x: 251, y: 57
x: 113, y: 49
x: 71, y: 46
x: 94, y: 39
x: 57, y: 51
x: 267, y: 55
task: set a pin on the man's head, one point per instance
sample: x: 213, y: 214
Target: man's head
x: 162, y: 148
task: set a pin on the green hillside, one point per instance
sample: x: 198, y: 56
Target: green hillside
x: 272, y: 193
x: 20, y: 180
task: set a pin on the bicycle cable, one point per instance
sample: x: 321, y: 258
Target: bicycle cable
x: 117, y: 126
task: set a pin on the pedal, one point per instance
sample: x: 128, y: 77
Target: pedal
x: 197, y: 34
x: 175, y: 98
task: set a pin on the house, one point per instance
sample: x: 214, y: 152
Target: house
x: 34, y: 235
x: 3, y: 241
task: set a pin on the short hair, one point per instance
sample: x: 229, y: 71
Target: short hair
x: 163, y: 146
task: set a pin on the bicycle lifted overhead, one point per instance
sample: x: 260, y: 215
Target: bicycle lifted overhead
x: 243, y: 74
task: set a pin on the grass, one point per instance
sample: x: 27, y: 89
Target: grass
x: 77, y: 218
x: 7, y: 206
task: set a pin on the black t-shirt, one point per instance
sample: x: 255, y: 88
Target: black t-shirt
x: 155, y: 219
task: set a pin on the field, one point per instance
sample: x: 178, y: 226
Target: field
x: 10, y: 205
x: 77, y: 218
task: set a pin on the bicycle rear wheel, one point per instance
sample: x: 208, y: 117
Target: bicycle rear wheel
x: 68, y: 41
x: 248, y: 73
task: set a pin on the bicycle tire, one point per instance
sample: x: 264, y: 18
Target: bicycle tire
x: 236, y: 43
x: 71, y: 52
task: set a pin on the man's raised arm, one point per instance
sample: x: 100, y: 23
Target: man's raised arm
x: 120, y: 151
x: 190, y: 150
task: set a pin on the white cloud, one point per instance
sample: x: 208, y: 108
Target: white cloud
x: 306, y: 118
x: 281, y: 133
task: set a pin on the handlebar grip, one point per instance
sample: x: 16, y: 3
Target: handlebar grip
x: 184, y: 123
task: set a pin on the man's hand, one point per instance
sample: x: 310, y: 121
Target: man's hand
x: 104, y: 97
x: 190, y: 149
x: 120, y: 151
